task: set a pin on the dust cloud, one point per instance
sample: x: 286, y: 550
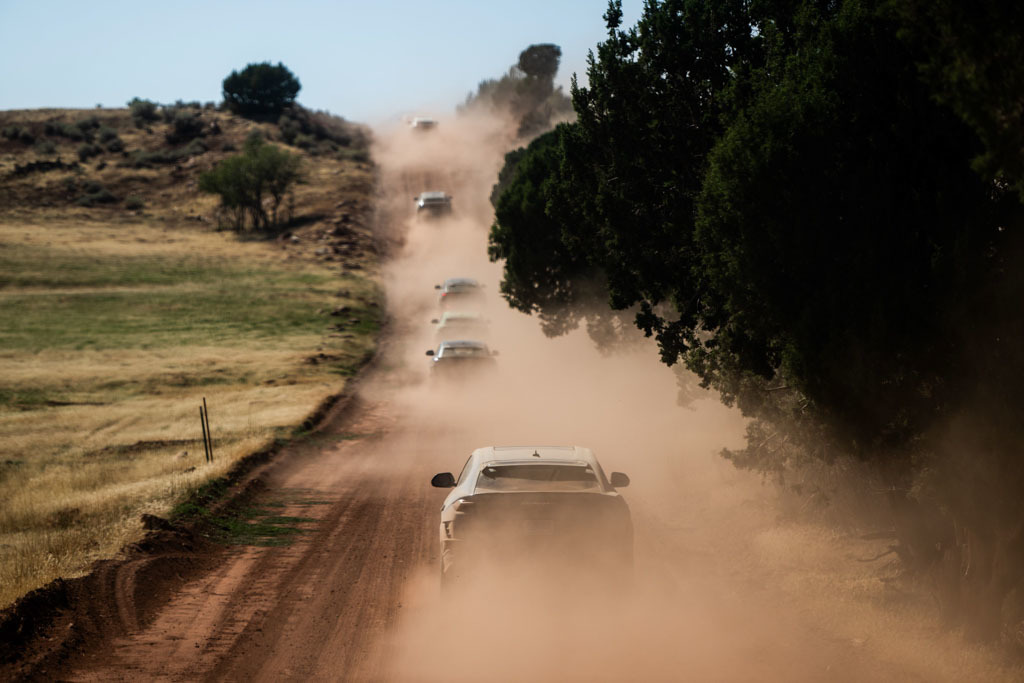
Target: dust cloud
x: 695, y: 609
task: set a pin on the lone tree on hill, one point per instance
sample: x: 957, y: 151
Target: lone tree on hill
x: 261, y: 89
x: 540, y: 61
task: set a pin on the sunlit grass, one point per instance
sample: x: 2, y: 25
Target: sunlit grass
x: 110, y: 338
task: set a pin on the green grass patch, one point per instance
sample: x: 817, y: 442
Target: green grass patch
x: 242, y: 307
x: 30, y: 265
x: 258, y: 527
x: 260, y: 524
x: 196, y: 505
x: 57, y: 298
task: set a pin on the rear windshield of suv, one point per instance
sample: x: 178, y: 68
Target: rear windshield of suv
x: 536, y: 477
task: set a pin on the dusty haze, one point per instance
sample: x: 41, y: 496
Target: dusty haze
x: 729, y: 585
x: 703, y: 605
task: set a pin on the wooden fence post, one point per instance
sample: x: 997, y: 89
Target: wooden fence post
x: 206, y: 446
x: 209, y: 434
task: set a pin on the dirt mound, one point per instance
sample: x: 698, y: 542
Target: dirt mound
x: 70, y: 615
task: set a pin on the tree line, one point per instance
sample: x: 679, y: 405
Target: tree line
x: 815, y: 206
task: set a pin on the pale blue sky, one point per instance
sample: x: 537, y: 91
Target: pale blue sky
x: 367, y: 61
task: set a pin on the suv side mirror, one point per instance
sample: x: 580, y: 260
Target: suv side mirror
x: 434, y: 321
x: 619, y: 480
x: 430, y: 352
x: 437, y: 286
x: 444, y: 480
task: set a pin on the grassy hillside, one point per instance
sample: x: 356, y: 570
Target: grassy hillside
x: 118, y: 316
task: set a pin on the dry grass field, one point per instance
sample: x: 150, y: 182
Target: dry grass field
x: 119, y: 317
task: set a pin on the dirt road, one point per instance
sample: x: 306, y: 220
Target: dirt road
x: 355, y: 595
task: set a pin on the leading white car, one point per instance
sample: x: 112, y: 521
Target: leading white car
x: 547, y: 505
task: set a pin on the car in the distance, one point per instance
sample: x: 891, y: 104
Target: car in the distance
x: 460, y: 325
x: 461, y: 291
x: 461, y: 357
x: 422, y: 123
x: 546, y: 505
x: 433, y: 203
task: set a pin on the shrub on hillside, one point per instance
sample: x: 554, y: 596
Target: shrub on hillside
x: 310, y: 129
x: 303, y: 141
x: 142, y: 158
x: 71, y: 131
x: 133, y: 202
x: 106, y: 134
x: 20, y: 134
x: 45, y: 147
x: 143, y: 111
x: 185, y: 125
x: 247, y: 182
x: 194, y: 148
x: 88, y: 124
x: 115, y: 145
x: 260, y: 89
x: 95, y: 194
x: 289, y: 127
x: 88, y: 150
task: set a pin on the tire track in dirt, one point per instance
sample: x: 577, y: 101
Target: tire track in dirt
x: 295, y: 612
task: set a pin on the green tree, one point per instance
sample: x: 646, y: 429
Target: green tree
x: 143, y: 111
x: 248, y: 183
x: 540, y: 61
x: 634, y: 163
x: 788, y: 192
x: 966, y: 53
x: 261, y: 89
x: 527, y: 92
x: 535, y: 245
x: 531, y: 207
